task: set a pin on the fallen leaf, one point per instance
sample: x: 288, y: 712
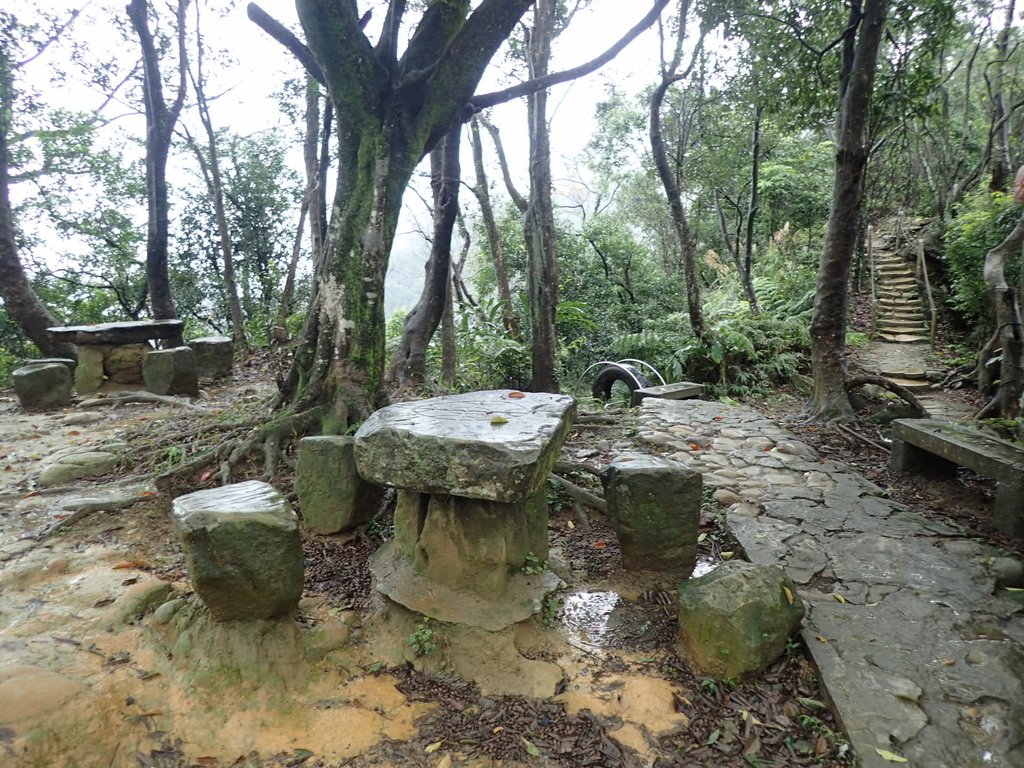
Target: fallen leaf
x: 600, y: 544
x: 147, y: 493
x: 1014, y: 589
x: 947, y: 662
x: 432, y: 748
x: 807, y: 701
x: 570, y: 525
x: 205, y: 476
x: 73, y: 432
x: 516, y: 395
x: 531, y: 748
x: 701, y: 538
x: 892, y: 757
x: 821, y: 747
x: 496, y: 420
x: 821, y: 639
x: 839, y: 598
x: 716, y: 418
x: 789, y: 595
x: 207, y: 760
x: 694, y: 446
x: 727, y: 555
x: 130, y: 564
x: 498, y: 729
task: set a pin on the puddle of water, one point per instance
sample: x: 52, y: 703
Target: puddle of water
x: 705, y: 565
x: 587, y: 616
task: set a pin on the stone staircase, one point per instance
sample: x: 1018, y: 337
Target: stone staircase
x: 899, y: 311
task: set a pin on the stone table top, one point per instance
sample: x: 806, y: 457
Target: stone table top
x: 118, y: 333
x: 498, y: 445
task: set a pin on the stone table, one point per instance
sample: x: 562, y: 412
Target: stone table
x: 471, y: 520
x: 113, y: 351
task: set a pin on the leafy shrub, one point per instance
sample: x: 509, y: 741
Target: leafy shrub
x: 983, y: 221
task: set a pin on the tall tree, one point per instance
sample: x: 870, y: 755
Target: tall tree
x: 391, y: 109
x: 861, y: 44
x: 669, y: 176
x: 160, y: 121
x: 409, y: 366
x: 20, y: 301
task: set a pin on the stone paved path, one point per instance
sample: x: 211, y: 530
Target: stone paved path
x: 920, y: 653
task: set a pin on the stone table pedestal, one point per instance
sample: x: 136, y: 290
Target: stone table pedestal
x: 471, y: 521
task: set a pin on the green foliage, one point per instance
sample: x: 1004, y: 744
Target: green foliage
x: 984, y: 221
x: 424, y: 640
x: 533, y: 565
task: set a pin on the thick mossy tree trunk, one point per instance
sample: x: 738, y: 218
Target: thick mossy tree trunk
x: 829, y: 399
x: 390, y: 112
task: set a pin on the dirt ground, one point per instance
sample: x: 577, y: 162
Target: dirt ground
x: 106, y: 658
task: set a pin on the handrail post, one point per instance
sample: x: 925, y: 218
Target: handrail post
x: 922, y: 267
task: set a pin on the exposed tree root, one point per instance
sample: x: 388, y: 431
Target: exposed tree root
x: 138, y: 397
x: 579, y: 494
x: 856, y: 435
x: 268, y: 439
x: 902, y: 393
x: 568, y: 467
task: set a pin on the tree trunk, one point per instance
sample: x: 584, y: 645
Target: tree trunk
x: 829, y: 399
x: 160, y: 121
x: 284, y: 306
x: 409, y: 366
x: 449, y: 350
x: 1001, y: 151
x: 752, y: 205
x: 539, y: 221
x: 483, y: 196
x: 20, y: 301
x: 683, y: 233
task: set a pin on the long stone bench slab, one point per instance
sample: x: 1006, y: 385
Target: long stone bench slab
x: 938, y: 447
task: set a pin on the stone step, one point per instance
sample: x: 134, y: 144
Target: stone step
x: 917, y: 374
x: 914, y: 385
x: 912, y: 314
x: 902, y: 338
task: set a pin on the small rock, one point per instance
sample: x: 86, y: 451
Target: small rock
x: 1007, y: 573
x: 75, y: 465
x: 81, y: 419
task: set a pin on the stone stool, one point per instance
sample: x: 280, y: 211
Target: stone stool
x: 242, y: 550
x: 171, y: 372
x: 332, y: 495
x: 471, y: 472
x: 654, y: 505
x: 215, y: 356
x: 42, y: 386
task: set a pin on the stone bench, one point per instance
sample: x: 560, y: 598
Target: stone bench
x: 471, y: 522
x: 113, y: 351
x: 938, y: 447
x: 242, y: 550
x: 680, y: 390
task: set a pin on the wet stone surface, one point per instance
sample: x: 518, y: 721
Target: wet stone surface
x: 921, y: 654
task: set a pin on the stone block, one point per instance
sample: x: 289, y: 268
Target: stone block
x: 42, y: 387
x: 496, y: 446
x: 215, y: 356
x: 242, y: 550
x: 737, y: 619
x: 123, y: 363
x: 44, y: 360
x: 654, y: 505
x: 171, y: 372
x: 89, y: 371
x: 332, y: 495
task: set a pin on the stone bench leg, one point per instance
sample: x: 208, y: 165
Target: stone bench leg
x: 917, y: 461
x: 469, y: 544
x: 1008, y: 515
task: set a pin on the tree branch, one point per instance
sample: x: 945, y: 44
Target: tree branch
x: 284, y: 36
x: 486, y: 100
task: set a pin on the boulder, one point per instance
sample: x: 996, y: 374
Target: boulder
x: 171, y: 372
x: 42, y: 387
x: 737, y: 619
x: 242, y: 550
x: 215, y: 356
x: 496, y: 446
x: 654, y: 505
x: 89, y: 371
x: 73, y: 465
x: 332, y: 495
